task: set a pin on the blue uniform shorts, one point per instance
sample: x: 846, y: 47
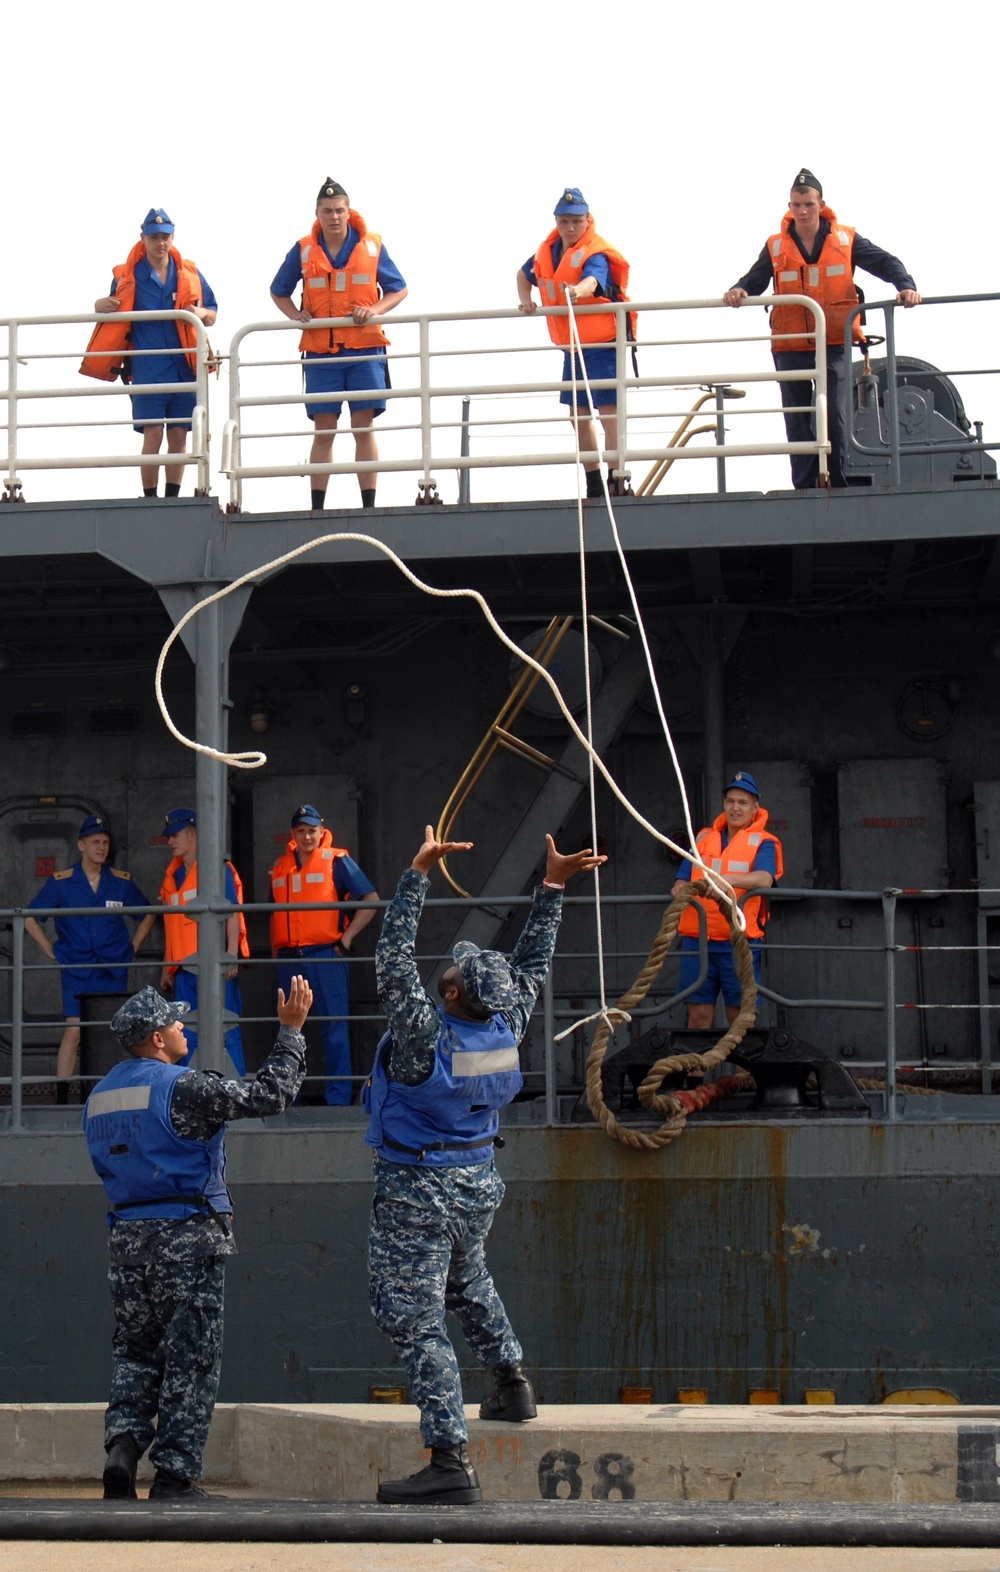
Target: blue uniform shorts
x: 151, y: 409
x: 345, y: 373
x: 90, y: 979
x: 600, y: 362
x: 721, y: 977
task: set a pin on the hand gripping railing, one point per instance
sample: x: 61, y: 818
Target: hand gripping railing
x: 431, y: 445
x: 19, y: 393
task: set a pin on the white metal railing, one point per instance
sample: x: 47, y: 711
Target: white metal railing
x: 438, y: 362
x: 24, y: 364
x: 431, y: 370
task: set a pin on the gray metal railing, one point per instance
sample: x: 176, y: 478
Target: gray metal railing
x: 563, y: 999
x: 894, y: 443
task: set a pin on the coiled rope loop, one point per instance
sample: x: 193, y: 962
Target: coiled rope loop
x: 676, y: 1114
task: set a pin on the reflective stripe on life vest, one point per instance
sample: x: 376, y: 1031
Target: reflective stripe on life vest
x: 596, y: 327
x: 335, y: 292
x: 830, y: 282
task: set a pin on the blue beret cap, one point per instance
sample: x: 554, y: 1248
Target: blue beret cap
x: 486, y: 975
x: 305, y: 813
x: 145, y: 1013
x: 572, y: 202
x: 94, y: 825
x: 179, y: 819
x: 157, y: 222
x: 743, y: 781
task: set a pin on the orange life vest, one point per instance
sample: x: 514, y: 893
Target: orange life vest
x: 114, y: 337
x: 314, y: 881
x: 597, y: 327
x: 730, y: 860
x: 830, y: 282
x: 181, y: 930
x: 334, y: 292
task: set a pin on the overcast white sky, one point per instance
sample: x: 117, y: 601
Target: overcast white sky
x: 454, y: 128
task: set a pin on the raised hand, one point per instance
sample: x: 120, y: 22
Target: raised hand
x: 561, y: 867
x: 433, y: 850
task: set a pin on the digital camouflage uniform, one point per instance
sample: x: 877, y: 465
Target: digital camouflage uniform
x: 166, y: 1280
x: 429, y: 1225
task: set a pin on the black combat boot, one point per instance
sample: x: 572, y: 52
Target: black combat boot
x: 119, y: 1470
x: 513, y: 1398
x: 448, y: 1480
x: 171, y: 1487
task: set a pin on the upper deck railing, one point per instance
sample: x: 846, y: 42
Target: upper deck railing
x: 470, y: 391
x: 477, y: 394
x: 459, y: 404
x: 34, y: 443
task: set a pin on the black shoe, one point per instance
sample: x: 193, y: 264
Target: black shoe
x: 169, y: 1487
x: 513, y: 1398
x: 448, y: 1480
x: 119, y: 1470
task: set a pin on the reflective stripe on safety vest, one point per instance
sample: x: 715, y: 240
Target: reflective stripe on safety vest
x: 335, y: 292
x: 730, y: 860
x: 596, y: 327
x: 830, y: 282
x: 180, y: 930
x: 314, y: 881
x: 114, y: 337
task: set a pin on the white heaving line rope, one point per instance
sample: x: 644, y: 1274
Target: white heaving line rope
x: 615, y: 1018
x: 252, y: 759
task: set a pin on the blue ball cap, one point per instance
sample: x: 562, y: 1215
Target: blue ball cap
x: 94, y: 825
x: 145, y: 1013
x: 179, y: 819
x: 305, y: 813
x: 157, y: 222
x: 572, y: 203
x: 742, y: 781
x: 486, y: 975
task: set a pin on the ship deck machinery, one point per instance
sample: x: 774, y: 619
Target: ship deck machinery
x: 842, y: 646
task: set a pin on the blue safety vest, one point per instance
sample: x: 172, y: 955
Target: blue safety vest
x: 147, y: 1169
x: 451, y: 1119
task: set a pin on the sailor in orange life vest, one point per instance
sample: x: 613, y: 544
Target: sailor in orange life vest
x: 748, y: 857
x: 345, y: 271
x: 574, y: 263
x: 180, y: 885
x: 815, y: 254
x: 316, y: 944
x: 154, y: 277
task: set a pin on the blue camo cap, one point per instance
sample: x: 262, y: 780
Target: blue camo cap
x: 572, y: 203
x: 742, y: 781
x: 305, y: 813
x: 145, y: 1013
x: 486, y: 975
x: 94, y: 824
x: 179, y: 819
x: 157, y: 222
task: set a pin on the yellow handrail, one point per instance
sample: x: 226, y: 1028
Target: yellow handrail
x: 499, y: 736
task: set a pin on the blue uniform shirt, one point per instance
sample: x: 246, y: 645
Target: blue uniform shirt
x: 151, y: 295
x: 91, y: 941
x: 289, y: 275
